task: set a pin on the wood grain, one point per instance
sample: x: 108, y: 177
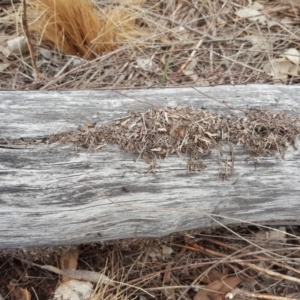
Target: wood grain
x: 52, y: 195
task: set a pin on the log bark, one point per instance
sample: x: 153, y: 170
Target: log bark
x: 54, y: 195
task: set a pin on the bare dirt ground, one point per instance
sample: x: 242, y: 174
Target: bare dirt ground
x: 176, y: 43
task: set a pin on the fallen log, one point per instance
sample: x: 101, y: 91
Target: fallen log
x: 53, y: 191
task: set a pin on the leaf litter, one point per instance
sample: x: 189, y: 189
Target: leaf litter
x: 231, y: 42
x: 160, y: 132
x: 212, y: 264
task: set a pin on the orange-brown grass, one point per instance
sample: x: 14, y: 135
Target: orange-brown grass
x: 78, y: 27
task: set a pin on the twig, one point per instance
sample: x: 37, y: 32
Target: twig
x: 150, y: 13
x: 198, y: 247
x: 8, y: 2
x: 279, y: 264
x: 239, y: 292
x: 190, y: 57
x: 199, y: 32
x: 83, y: 275
x: 30, y: 47
x: 232, y: 159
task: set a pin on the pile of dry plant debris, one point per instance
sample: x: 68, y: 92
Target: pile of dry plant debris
x: 161, y: 132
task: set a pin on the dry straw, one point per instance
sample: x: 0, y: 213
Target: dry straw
x: 78, y: 27
x: 161, y: 132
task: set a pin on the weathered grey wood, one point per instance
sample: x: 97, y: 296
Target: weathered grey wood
x: 53, y: 195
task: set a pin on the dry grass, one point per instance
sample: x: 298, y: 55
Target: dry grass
x: 183, y: 42
x: 266, y: 262
x: 79, y: 28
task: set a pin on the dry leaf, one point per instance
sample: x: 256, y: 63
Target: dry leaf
x: 212, y: 276
x: 259, y: 43
x: 47, y: 54
x: 266, y: 236
x: 251, y: 14
x: 78, y: 61
x: 217, y: 289
x: 254, y: 13
x: 17, y: 45
x: 73, y: 290
x: 287, y: 21
x: 293, y: 55
x: 4, y: 66
x: 280, y: 68
x: 69, y: 261
x: 257, y: 6
x: 145, y: 64
x: 278, y: 235
x: 19, y: 293
x: 166, y: 251
x: 154, y: 253
x: 162, y: 252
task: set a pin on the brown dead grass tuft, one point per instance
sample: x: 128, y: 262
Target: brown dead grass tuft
x: 79, y: 27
